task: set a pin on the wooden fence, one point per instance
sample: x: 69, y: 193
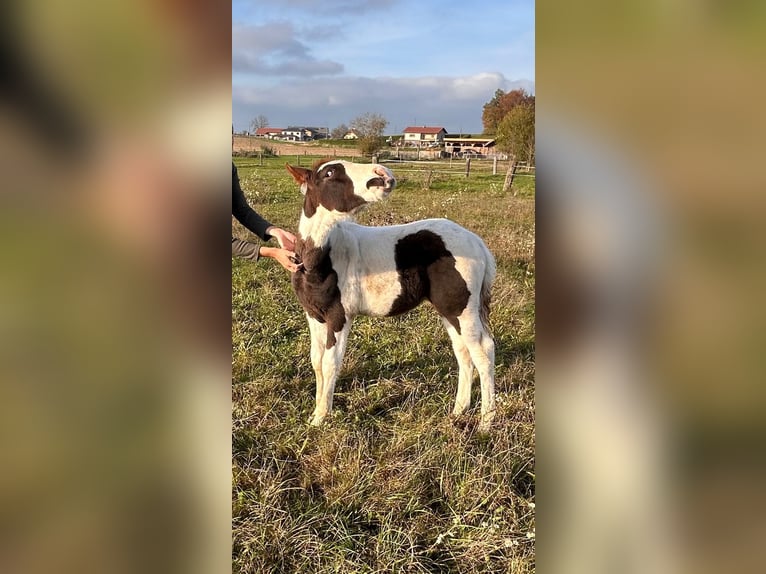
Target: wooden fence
x: 460, y: 167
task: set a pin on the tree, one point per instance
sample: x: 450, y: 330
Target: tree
x: 516, y: 136
x: 369, y: 127
x: 339, y: 132
x: 259, y: 122
x: 500, y: 105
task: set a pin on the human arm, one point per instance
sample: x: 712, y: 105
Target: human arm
x: 254, y: 251
x: 245, y: 249
x: 245, y: 214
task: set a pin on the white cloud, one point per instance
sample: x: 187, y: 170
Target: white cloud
x: 471, y: 87
x: 453, y: 102
x: 275, y: 50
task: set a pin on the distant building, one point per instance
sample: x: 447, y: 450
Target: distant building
x: 469, y: 146
x: 303, y: 134
x: 270, y: 133
x: 351, y: 135
x: 423, y: 135
x: 293, y: 134
x: 317, y: 133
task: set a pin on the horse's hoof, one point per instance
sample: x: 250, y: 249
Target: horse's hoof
x: 485, y: 423
x: 316, y: 420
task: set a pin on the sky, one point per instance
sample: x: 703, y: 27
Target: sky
x: 415, y: 62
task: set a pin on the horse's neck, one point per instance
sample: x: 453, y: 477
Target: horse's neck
x: 320, y: 224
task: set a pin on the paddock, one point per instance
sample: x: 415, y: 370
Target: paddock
x: 391, y: 470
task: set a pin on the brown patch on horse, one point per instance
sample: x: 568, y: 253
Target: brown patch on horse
x: 427, y: 271
x: 316, y: 286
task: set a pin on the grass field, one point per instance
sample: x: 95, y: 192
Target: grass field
x: 391, y: 482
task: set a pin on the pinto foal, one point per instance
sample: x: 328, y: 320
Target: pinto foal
x: 350, y: 269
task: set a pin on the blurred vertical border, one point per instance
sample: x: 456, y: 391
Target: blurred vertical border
x: 651, y: 396
x: 115, y: 123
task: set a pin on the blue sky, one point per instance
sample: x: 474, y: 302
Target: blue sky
x: 427, y: 62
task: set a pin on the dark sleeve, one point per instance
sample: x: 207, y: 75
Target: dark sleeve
x: 243, y: 212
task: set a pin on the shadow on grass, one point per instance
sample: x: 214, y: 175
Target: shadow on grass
x: 440, y: 366
x: 373, y: 391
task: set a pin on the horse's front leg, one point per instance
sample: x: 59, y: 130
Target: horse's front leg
x: 332, y: 359
x: 318, y: 344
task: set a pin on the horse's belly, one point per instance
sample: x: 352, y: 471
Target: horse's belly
x: 379, y: 291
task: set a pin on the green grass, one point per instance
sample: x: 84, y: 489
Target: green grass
x: 336, y: 143
x: 391, y: 482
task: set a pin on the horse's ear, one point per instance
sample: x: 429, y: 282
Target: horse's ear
x: 300, y: 175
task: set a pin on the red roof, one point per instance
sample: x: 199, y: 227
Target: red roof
x: 423, y: 130
x: 267, y: 131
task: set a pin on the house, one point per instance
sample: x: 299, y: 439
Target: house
x: 424, y: 135
x: 469, y: 146
x: 351, y: 135
x: 303, y: 134
x: 317, y: 133
x: 294, y: 134
x: 269, y: 133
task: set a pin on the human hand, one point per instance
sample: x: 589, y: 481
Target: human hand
x: 284, y: 257
x: 285, y: 239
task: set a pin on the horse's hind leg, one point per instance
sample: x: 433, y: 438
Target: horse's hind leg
x: 478, y: 340
x: 488, y: 382
x: 465, y: 365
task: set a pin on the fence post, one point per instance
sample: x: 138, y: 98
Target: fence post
x: 494, y: 165
x: 260, y: 158
x: 374, y: 159
x: 509, y: 176
x: 428, y: 180
x: 298, y: 159
x: 467, y: 166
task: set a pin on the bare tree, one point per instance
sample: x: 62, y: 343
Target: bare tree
x: 339, y: 132
x: 260, y: 121
x: 369, y: 127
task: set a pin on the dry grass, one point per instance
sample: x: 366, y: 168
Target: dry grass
x: 391, y: 482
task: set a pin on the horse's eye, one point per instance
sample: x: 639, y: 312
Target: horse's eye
x: 328, y: 173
